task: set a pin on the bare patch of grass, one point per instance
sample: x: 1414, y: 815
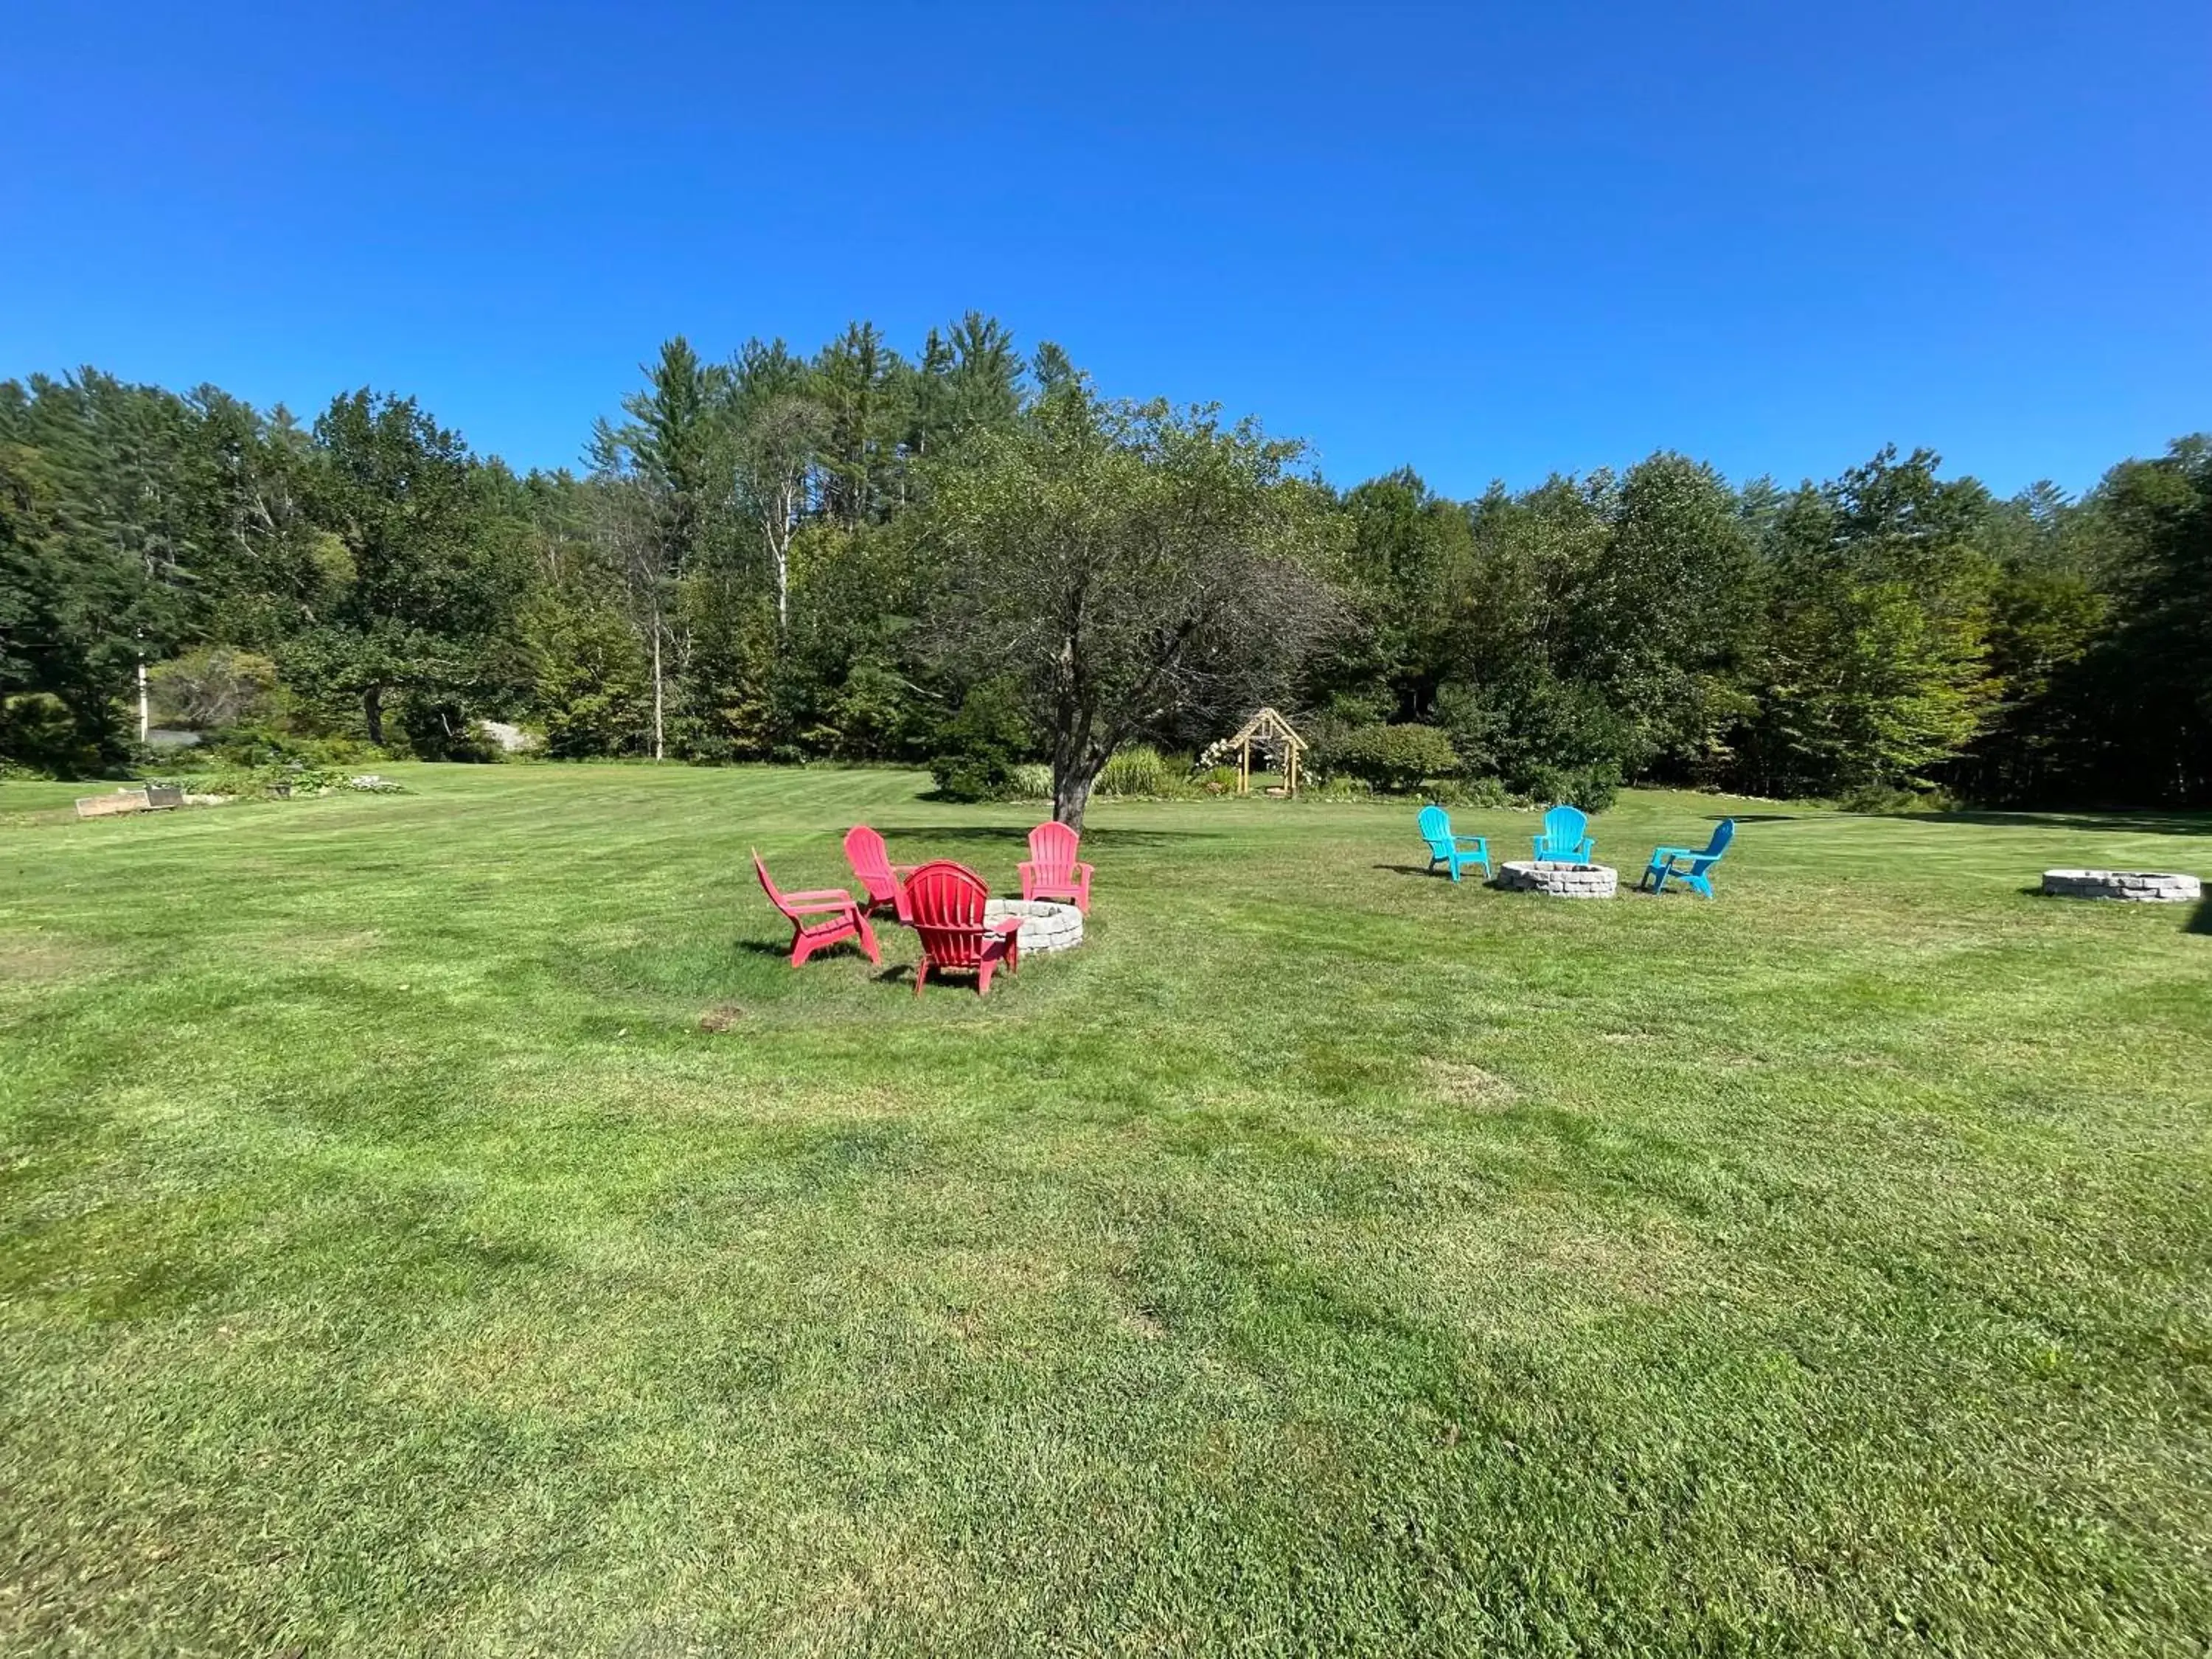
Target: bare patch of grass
x: 1459, y: 1083
x: 32, y: 961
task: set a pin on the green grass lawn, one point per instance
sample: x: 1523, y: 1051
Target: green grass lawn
x: 1323, y: 1259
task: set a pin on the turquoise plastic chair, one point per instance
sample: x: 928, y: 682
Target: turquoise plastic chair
x: 1449, y: 850
x: 1697, y: 875
x: 1564, y: 840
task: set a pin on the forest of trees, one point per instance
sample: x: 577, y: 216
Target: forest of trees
x: 966, y: 556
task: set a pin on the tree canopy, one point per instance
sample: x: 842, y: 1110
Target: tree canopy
x: 1125, y: 564
x: 862, y: 554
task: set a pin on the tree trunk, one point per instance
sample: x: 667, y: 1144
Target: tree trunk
x: 1076, y: 763
x: 1070, y: 795
x: 659, y: 748
x: 145, y: 703
x: 372, y: 709
x: 783, y: 517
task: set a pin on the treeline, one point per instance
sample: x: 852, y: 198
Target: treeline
x: 768, y: 558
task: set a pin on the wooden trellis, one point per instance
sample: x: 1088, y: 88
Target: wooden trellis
x: 1267, y: 730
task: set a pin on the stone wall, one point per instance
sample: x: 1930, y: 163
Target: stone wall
x: 1559, y: 880
x: 2135, y: 886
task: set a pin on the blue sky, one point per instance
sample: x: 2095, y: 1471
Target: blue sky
x: 1485, y: 240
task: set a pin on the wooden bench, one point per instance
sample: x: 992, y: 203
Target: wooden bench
x: 147, y: 798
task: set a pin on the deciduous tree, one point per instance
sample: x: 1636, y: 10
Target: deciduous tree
x: 1123, y: 561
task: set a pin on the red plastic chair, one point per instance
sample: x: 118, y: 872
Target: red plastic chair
x: 871, y: 863
x: 840, y: 915
x: 944, y: 902
x: 1050, y: 871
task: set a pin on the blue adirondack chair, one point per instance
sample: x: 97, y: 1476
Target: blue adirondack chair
x: 1449, y: 850
x: 1564, y: 840
x: 1691, y: 865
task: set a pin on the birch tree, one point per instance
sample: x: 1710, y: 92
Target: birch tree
x: 773, y: 449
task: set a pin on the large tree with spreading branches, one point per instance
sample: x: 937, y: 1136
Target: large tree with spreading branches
x: 1125, y: 563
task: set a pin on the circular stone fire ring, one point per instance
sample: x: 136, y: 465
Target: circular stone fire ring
x: 2137, y: 886
x: 1045, y: 926
x: 1559, y: 880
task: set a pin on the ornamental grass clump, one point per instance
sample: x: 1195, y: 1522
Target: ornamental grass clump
x: 1139, y: 770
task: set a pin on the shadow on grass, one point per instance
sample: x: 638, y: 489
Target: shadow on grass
x: 2134, y: 824
x: 781, y: 952
x: 995, y: 835
x: 1410, y: 870
x: 955, y: 981
x: 1754, y: 818
x: 2200, y: 921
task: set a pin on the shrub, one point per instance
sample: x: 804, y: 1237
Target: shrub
x: 978, y: 748
x: 38, y: 733
x: 1548, y: 740
x: 1138, y: 769
x: 1591, y: 788
x: 1882, y: 800
x: 250, y: 746
x: 1469, y: 791
x: 1394, y: 759
x: 439, y: 729
x: 1030, y: 781
x: 1217, y: 780
x: 963, y: 777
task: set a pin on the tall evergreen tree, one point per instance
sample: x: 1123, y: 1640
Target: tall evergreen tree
x: 855, y: 381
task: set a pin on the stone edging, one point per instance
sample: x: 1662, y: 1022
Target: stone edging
x: 2134, y: 886
x: 1559, y: 880
x: 1046, y: 925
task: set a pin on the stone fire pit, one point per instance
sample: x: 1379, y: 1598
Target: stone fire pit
x: 1046, y: 925
x: 1559, y: 880
x: 2137, y: 886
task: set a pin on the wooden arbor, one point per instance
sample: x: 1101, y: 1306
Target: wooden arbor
x: 1265, y: 730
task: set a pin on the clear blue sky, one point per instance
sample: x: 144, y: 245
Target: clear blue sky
x: 1487, y: 240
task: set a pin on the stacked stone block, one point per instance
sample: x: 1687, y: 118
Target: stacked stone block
x: 2134, y: 886
x: 1046, y: 925
x: 1559, y: 880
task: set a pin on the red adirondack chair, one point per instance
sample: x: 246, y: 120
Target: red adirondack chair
x: 871, y: 862
x: 819, y: 918
x: 1050, y: 871
x: 944, y: 902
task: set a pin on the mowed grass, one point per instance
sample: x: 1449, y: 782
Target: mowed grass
x: 1323, y: 1259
